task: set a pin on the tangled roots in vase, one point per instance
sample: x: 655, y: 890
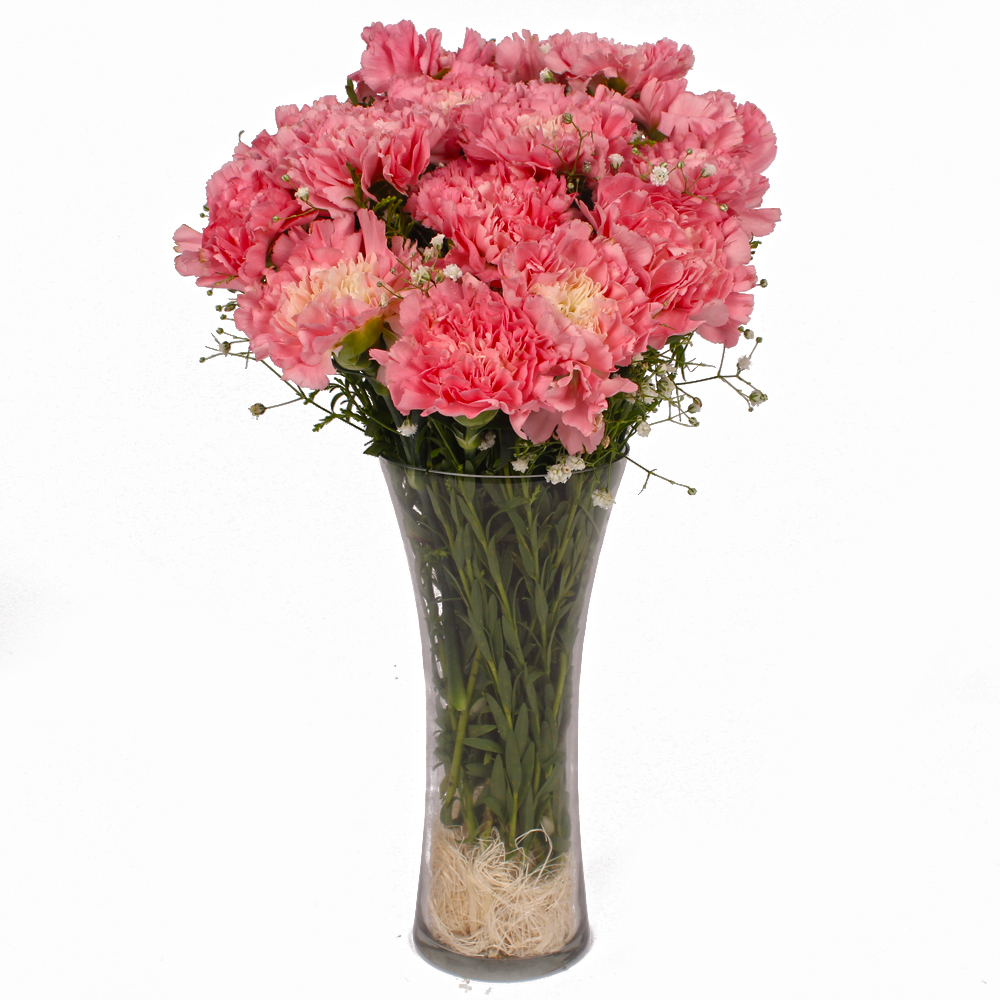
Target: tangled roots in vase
x: 484, y: 904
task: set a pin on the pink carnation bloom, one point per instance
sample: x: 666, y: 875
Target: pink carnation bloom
x: 247, y: 209
x: 439, y: 100
x: 520, y: 58
x: 587, y: 288
x: 325, y: 144
x: 584, y: 295
x: 527, y: 128
x: 695, y: 270
x: 662, y: 60
x: 332, y: 282
x: 580, y: 57
x: 398, y: 50
x: 730, y: 145
x: 485, y: 211
x: 463, y: 350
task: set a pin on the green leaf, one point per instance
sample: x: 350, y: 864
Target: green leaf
x: 493, y: 804
x: 498, y: 782
x: 512, y: 763
x: 480, y: 730
x: 477, y: 769
x: 547, y: 745
x: 541, y: 604
x: 521, y: 729
x: 483, y: 744
x: 501, y: 720
x: 526, y: 811
x: 506, y: 689
x: 513, y: 641
x: 528, y: 768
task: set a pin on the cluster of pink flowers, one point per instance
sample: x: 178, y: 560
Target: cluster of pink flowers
x: 584, y: 208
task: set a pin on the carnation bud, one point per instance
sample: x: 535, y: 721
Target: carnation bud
x: 257, y: 410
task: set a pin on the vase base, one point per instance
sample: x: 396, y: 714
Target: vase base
x: 499, y: 970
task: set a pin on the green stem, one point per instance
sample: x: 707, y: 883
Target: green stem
x: 463, y: 723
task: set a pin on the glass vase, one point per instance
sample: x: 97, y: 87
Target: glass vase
x: 502, y: 570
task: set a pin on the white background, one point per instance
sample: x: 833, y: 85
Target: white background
x: 210, y: 692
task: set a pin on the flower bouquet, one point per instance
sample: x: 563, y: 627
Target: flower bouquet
x: 493, y: 262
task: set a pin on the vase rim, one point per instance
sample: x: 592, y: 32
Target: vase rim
x: 487, y: 475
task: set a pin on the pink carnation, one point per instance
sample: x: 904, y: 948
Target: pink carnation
x: 538, y: 126
x: 520, y: 58
x: 247, y: 209
x: 397, y: 50
x: 463, y: 350
x: 587, y: 288
x: 320, y: 150
x: 485, y: 211
x: 584, y: 295
x: 694, y: 270
x: 333, y: 281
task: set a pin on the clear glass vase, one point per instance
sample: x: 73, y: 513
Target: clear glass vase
x: 502, y: 569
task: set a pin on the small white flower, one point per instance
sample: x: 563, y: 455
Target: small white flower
x: 489, y: 439
x: 708, y: 170
x: 670, y: 368
x: 407, y: 428
x: 695, y: 406
x: 419, y: 275
x: 643, y: 429
x: 546, y: 76
x: 659, y: 175
x: 557, y: 473
x: 602, y: 499
x: 454, y: 272
x: 616, y: 160
x: 647, y: 394
x: 743, y: 364
x: 545, y: 48
x: 519, y: 465
x: 438, y: 242
x: 606, y: 442
x: 302, y: 193
x: 574, y: 463
x: 757, y: 397
x: 748, y: 334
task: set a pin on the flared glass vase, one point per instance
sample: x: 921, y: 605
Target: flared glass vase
x: 502, y: 570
